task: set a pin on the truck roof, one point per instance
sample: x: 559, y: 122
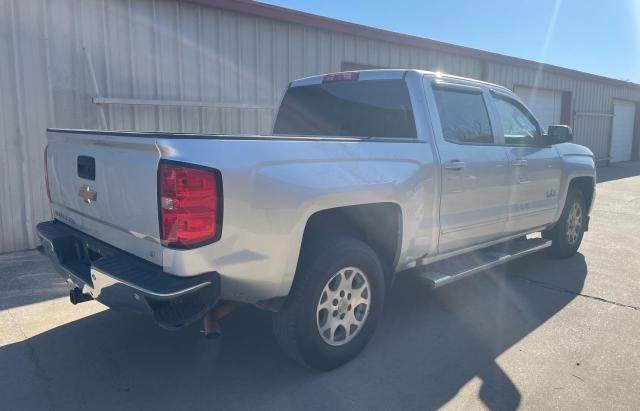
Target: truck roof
x: 375, y: 74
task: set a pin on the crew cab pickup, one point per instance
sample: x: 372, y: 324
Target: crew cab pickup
x: 366, y: 174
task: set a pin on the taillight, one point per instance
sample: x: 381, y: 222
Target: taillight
x: 342, y: 76
x: 190, y: 205
x: 46, y: 173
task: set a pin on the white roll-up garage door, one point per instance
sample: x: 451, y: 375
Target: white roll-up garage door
x: 622, y: 131
x: 546, y: 105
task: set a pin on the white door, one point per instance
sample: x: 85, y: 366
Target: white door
x: 622, y: 131
x: 546, y: 105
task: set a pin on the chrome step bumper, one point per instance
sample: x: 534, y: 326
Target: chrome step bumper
x: 121, y: 280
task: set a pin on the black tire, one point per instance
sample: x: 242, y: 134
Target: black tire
x: 562, y: 246
x: 296, y: 326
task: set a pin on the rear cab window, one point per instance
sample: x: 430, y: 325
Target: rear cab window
x: 349, y: 108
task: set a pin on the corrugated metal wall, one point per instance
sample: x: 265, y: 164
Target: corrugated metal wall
x: 58, y: 55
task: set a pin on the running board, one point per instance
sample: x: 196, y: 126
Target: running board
x: 462, y: 266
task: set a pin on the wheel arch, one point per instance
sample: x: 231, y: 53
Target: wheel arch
x: 378, y: 225
x: 586, y: 185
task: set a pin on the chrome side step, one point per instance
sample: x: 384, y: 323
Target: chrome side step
x: 455, y: 268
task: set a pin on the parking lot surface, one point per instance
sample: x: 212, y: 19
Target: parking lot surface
x: 539, y: 333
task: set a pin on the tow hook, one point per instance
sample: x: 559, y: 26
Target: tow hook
x: 211, y: 321
x: 76, y: 296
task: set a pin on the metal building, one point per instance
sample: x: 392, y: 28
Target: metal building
x: 220, y: 66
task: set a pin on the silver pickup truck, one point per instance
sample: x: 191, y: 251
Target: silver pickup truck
x: 367, y: 174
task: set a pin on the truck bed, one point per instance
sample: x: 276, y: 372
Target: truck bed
x: 272, y: 185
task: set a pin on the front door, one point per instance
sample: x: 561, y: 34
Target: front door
x: 535, y: 168
x: 474, y: 200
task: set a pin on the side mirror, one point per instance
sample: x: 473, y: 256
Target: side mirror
x: 559, y: 134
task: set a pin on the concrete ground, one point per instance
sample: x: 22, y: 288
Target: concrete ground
x: 562, y: 334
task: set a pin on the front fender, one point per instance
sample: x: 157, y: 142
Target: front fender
x: 578, y: 161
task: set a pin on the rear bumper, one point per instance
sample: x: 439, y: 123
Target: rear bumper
x: 123, y: 281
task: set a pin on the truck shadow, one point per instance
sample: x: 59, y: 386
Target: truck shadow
x: 429, y: 345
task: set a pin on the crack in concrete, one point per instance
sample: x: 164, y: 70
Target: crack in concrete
x: 564, y: 290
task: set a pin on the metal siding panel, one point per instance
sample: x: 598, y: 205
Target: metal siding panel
x: 281, y: 57
x: 296, y: 52
x: 336, y: 51
x: 386, y: 55
x: 119, y: 56
x: 246, y: 73
x: 373, y: 51
x: 361, y: 52
x: 62, y: 61
x: 265, y: 77
x: 12, y: 234
x: 143, y: 60
x: 414, y: 58
x: 349, y: 48
x: 168, y: 50
x: 200, y: 67
x: 210, y: 68
x: 405, y: 57
x: 189, y: 58
x: 21, y: 199
x: 90, y: 31
x: 231, y: 60
x: 324, y: 52
x: 32, y: 79
x: 168, y: 87
x: 394, y: 56
x: 78, y: 69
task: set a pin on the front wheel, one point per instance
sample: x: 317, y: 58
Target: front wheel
x: 334, y: 304
x: 568, y: 232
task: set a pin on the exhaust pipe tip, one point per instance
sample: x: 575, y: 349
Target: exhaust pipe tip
x: 76, y: 296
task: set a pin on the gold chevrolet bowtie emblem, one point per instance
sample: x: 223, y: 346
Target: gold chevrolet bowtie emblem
x: 87, y: 194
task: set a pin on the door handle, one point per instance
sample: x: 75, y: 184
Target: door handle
x: 519, y: 162
x: 455, y: 165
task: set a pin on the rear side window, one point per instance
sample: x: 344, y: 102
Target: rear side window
x: 463, y: 116
x: 364, y: 108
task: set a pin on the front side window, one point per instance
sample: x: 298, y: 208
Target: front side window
x: 518, y: 125
x: 463, y: 116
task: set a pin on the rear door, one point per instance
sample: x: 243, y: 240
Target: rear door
x: 105, y: 185
x: 535, y: 168
x: 474, y: 199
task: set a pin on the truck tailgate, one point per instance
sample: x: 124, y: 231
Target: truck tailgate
x: 105, y: 185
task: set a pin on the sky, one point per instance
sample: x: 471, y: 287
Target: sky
x: 596, y: 36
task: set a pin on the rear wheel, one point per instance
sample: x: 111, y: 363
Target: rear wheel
x: 334, y: 304
x: 568, y: 232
